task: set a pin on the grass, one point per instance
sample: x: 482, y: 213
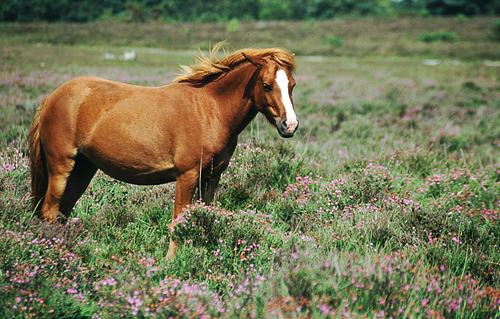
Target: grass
x: 438, y: 36
x: 384, y: 204
x: 360, y: 37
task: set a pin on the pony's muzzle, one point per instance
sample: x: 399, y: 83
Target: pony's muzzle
x: 286, y: 129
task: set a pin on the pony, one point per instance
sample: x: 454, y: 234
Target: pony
x: 185, y: 131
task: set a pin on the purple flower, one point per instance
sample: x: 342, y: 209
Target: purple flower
x: 325, y: 309
x: 135, y: 303
x: 454, y: 305
x: 8, y: 167
x: 425, y: 302
x: 72, y: 291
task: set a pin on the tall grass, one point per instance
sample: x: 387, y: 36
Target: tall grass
x: 385, y: 204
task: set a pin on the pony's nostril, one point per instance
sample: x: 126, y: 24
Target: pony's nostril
x: 283, y: 125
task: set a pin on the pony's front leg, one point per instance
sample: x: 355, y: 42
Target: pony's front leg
x: 211, y: 175
x: 209, y: 186
x: 184, y: 189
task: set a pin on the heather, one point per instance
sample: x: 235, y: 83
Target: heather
x: 385, y: 203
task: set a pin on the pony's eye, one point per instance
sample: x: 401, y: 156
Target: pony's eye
x: 267, y: 87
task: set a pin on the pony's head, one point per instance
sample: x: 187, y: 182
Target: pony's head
x: 272, y: 93
x: 270, y: 87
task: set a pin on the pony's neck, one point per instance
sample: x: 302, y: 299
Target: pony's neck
x: 236, y: 106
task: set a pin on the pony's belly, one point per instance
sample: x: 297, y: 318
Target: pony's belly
x: 141, y: 178
x: 135, y: 171
x: 154, y: 178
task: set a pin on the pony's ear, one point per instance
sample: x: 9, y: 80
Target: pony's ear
x: 257, y: 65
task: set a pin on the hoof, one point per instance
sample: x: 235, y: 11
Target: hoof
x: 54, y: 218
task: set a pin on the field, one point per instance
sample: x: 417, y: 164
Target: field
x: 384, y: 204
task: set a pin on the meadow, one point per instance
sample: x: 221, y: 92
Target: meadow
x: 384, y: 204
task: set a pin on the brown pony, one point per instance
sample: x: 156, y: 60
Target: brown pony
x: 185, y: 131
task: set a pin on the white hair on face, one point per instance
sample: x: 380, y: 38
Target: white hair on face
x: 282, y: 81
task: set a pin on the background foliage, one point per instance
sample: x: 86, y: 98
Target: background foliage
x: 217, y: 10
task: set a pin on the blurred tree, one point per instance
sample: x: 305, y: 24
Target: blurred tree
x: 136, y: 11
x: 466, y: 7
x: 448, y: 7
x: 275, y: 10
x: 216, y: 10
x: 56, y: 10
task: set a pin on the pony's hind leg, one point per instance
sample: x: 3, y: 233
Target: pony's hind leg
x: 59, y: 169
x: 80, y: 177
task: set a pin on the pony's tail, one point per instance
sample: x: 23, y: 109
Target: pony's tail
x: 39, y: 175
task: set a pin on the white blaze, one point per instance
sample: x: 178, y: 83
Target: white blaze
x: 282, y: 81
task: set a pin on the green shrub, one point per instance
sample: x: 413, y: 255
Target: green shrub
x: 233, y: 25
x: 364, y: 185
x: 274, y: 10
x: 495, y: 30
x: 335, y: 42
x: 390, y: 285
x: 438, y: 36
x: 210, y: 227
x: 257, y: 169
x: 223, y: 243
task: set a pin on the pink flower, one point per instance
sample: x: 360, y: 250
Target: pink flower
x: 435, y: 179
x: 72, y: 291
x: 325, y: 309
x: 8, y: 167
x: 454, y: 305
x: 425, y: 302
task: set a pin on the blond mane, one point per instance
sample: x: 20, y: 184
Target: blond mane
x: 209, y: 68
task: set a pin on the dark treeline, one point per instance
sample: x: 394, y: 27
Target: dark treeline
x: 223, y: 10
